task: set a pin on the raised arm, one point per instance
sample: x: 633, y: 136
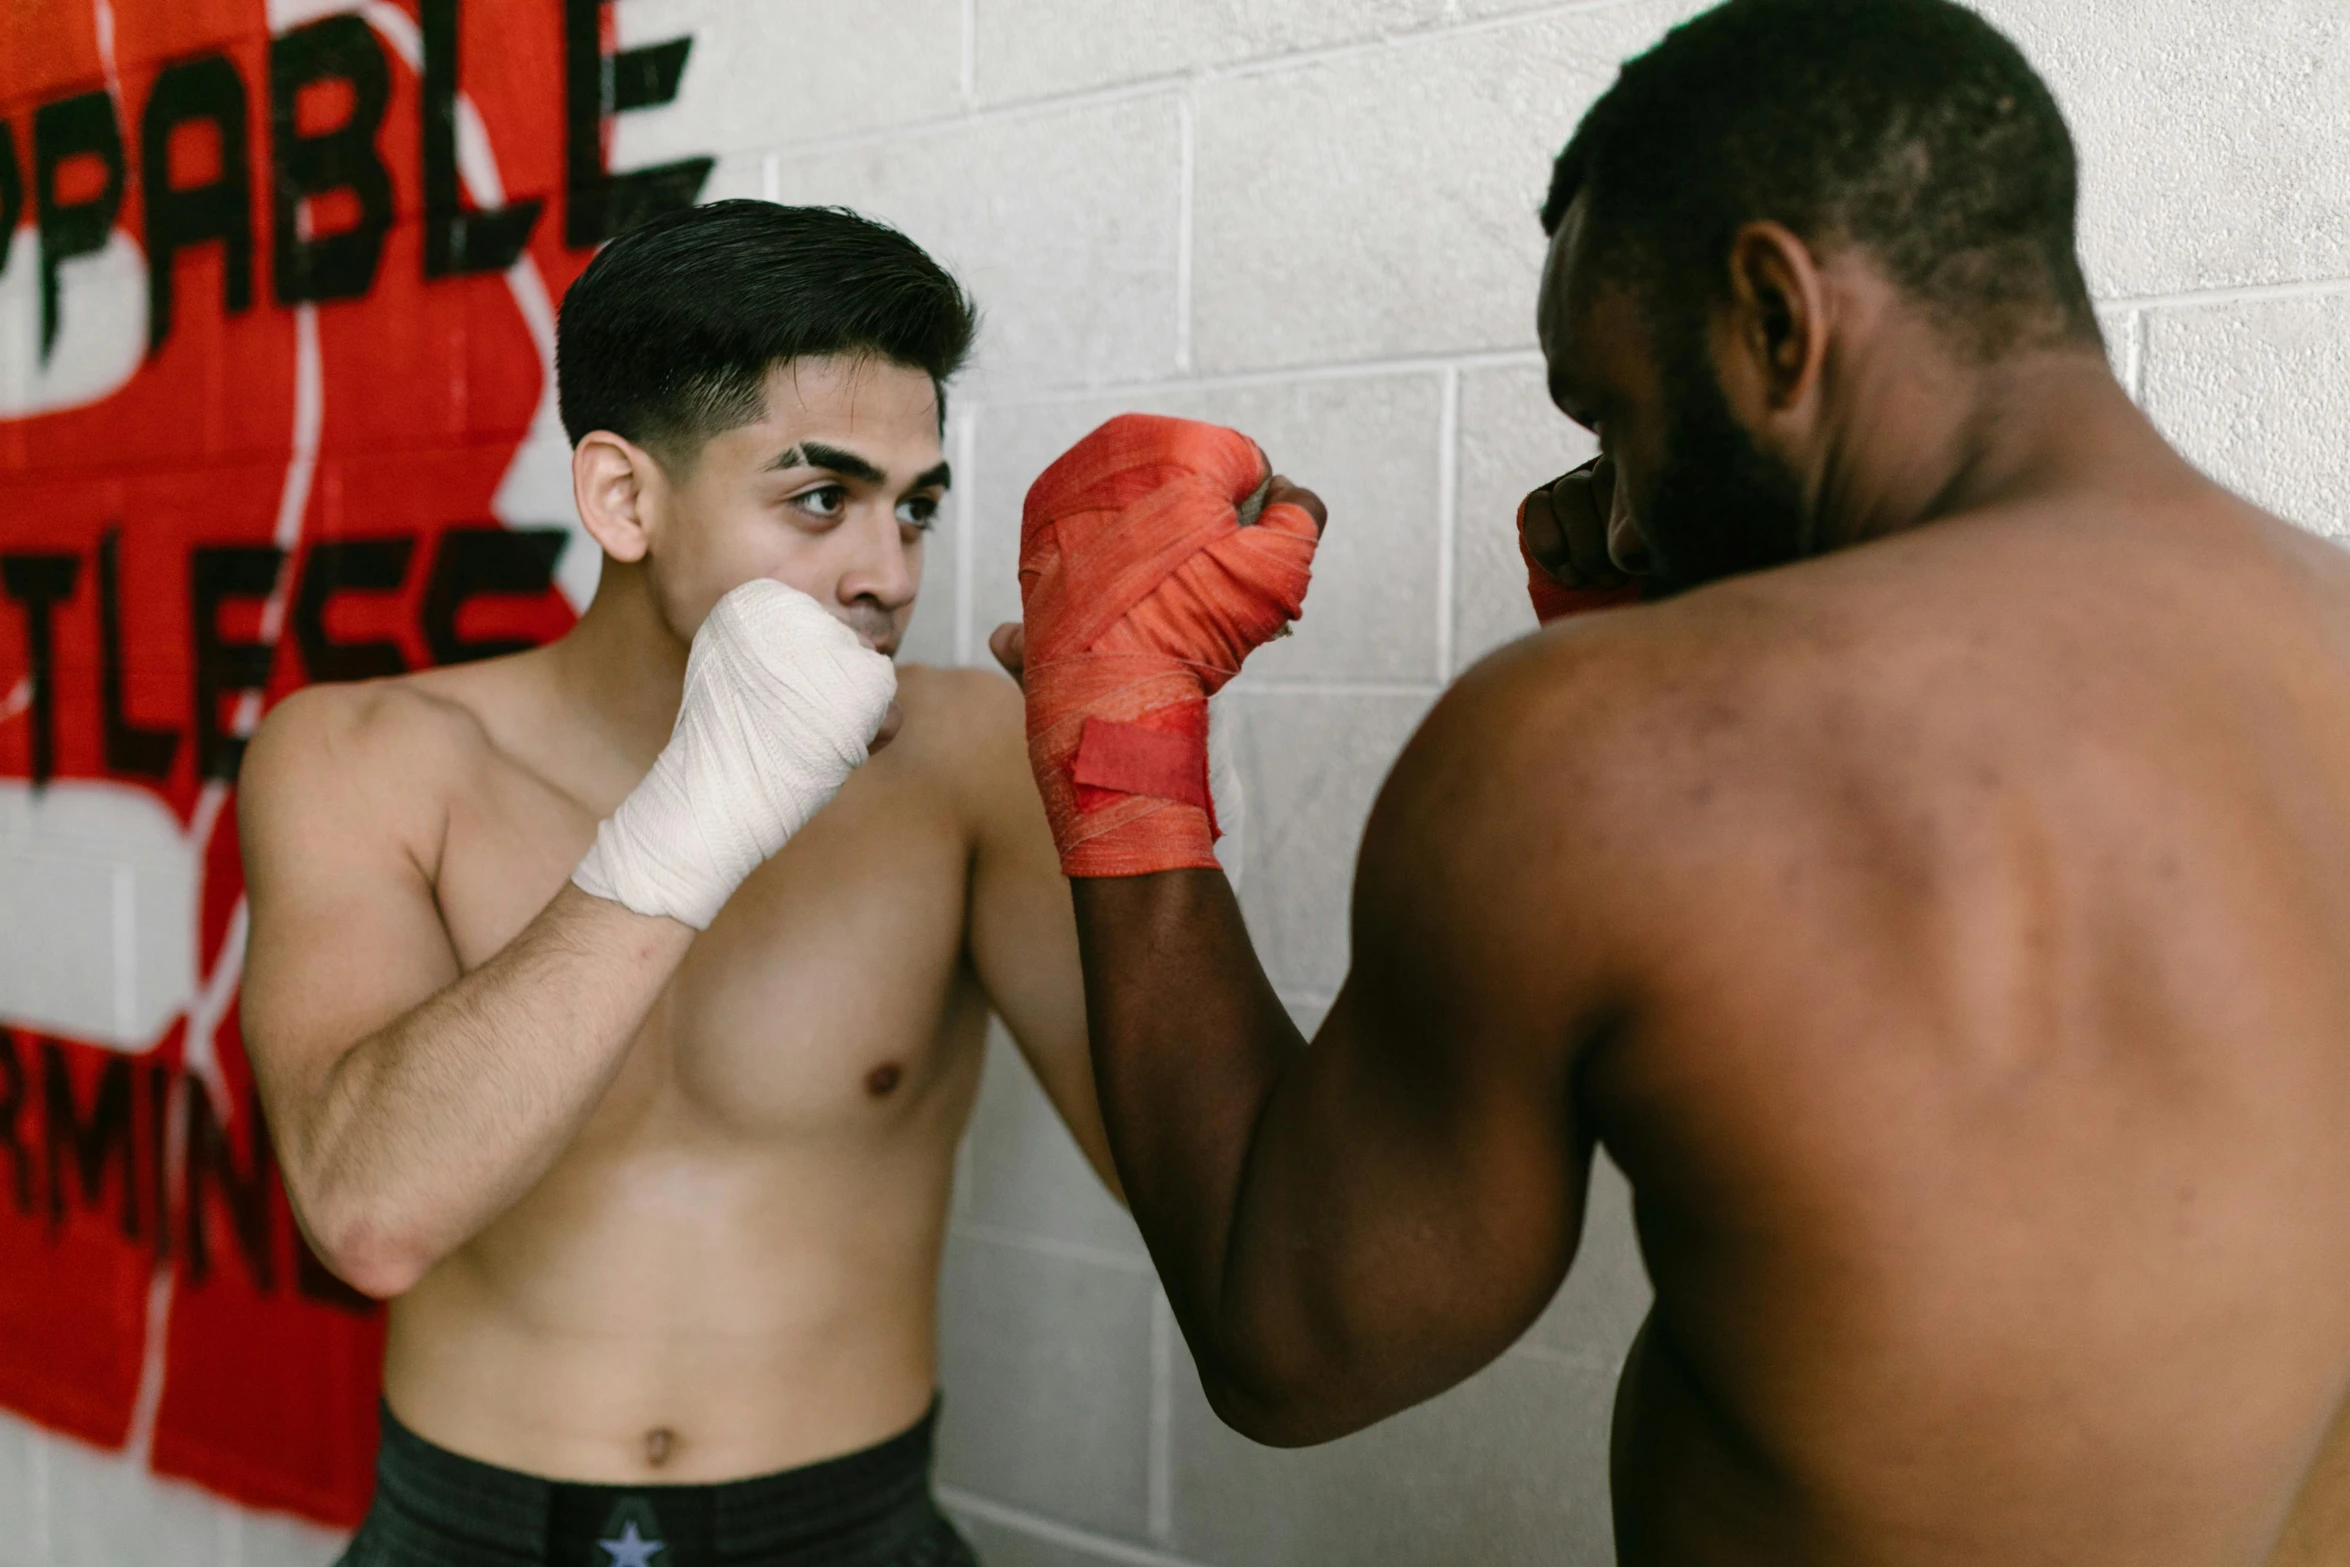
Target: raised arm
x: 413, y: 1104
x: 1346, y: 1228
x: 1023, y: 933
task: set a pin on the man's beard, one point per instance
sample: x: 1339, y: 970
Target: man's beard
x: 1720, y: 507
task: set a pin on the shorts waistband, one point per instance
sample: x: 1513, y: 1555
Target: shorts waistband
x: 846, y: 1509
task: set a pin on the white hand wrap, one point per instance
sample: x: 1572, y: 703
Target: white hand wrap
x: 780, y: 703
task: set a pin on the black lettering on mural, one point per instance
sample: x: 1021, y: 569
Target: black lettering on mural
x: 458, y: 239
x: 341, y: 265
x: 160, y: 1082
x: 601, y: 205
x: 202, y: 91
x: 64, y: 131
x: 478, y: 563
x: 243, y: 1189
x: 40, y: 583
x: 348, y: 566
x: 106, y: 1134
x: 216, y: 574
x: 130, y: 748
x: 12, y: 1104
x: 11, y: 191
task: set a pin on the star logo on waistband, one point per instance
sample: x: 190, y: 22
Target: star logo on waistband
x: 631, y: 1549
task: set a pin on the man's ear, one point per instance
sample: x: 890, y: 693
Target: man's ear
x: 1774, y: 343
x: 620, y: 491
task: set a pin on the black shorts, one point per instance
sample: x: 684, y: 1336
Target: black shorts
x: 867, y: 1509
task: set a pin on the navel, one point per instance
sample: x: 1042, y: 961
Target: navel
x: 659, y: 1444
x: 883, y: 1080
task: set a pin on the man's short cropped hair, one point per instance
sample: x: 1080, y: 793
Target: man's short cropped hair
x: 1912, y: 129
x: 668, y: 337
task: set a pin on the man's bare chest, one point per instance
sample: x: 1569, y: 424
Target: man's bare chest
x: 828, y: 986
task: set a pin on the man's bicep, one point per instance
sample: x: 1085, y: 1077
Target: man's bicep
x: 344, y: 934
x: 1023, y: 942
x: 1429, y: 1141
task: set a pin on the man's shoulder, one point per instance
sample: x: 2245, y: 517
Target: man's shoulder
x: 1629, y: 725
x: 966, y: 739
x: 957, y: 715
x: 408, y: 731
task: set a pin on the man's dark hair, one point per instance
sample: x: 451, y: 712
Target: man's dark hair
x: 1913, y: 129
x: 668, y: 336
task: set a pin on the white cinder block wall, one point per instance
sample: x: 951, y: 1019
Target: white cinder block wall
x: 1314, y: 219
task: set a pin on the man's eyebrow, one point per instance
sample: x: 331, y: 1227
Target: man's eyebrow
x: 815, y: 454
x: 941, y: 477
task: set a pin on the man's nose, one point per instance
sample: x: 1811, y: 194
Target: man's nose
x: 881, y: 566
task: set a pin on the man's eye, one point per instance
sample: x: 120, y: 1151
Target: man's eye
x: 918, y: 511
x: 828, y: 501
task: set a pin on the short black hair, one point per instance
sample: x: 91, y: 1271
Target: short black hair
x: 668, y: 336
x: 1913, y: 129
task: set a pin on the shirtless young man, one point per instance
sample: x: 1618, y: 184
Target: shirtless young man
x: 1937, y: 901
x: 657, y: 1207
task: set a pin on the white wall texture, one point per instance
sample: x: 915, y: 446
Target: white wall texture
x: 1314, y: 219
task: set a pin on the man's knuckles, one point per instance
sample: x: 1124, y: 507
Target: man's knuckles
x: 1280, y: 492
x: 1565, y: 527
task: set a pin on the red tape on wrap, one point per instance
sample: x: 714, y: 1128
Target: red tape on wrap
x: 1133, y: 760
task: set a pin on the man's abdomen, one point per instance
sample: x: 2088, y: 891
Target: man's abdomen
x: 681, y: 1312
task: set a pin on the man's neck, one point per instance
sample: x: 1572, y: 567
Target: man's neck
x: 620, y: 672
x: 1962, y: 439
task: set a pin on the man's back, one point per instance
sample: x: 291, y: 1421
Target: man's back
x: 1987, y: 1099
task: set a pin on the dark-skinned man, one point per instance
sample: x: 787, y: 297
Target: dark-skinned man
x: 1934, y: 897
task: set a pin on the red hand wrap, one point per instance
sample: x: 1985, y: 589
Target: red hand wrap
x: 1142, y: 592
x: 1553, y: 599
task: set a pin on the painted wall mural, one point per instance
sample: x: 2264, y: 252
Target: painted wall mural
x: 277, y: 293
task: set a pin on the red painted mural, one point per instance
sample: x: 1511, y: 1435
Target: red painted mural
x: 276, y: 322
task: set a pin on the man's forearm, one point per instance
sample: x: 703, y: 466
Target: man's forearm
x: 1189, y: 1042
x: 434, y: 1125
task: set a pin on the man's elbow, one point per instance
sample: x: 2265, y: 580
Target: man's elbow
x: 1296, y: 1416
x: 1294, y: 1400
x: 379, y: 1269
x: 369, y: 1251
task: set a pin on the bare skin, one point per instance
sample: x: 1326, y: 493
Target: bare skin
x: 653, y: 1205
x: 1947, y: 935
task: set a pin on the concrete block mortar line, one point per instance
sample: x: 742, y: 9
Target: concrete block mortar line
x: 1055, y: 1533
x: 1448, y: 514
x: 1161, y: 1521
x: 969, y: 75
x: 1153, y: 86
x: 1607, y: 1365
x: 1297, y: 59
x: 1046, y: 1246
x: 995, y: 114
x: 1187, y: 142
x: 1283, y: 375
x: 2138, y: 340
x: 43, y: 1537
x: 966, y: 523
x: 2228, y: 294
